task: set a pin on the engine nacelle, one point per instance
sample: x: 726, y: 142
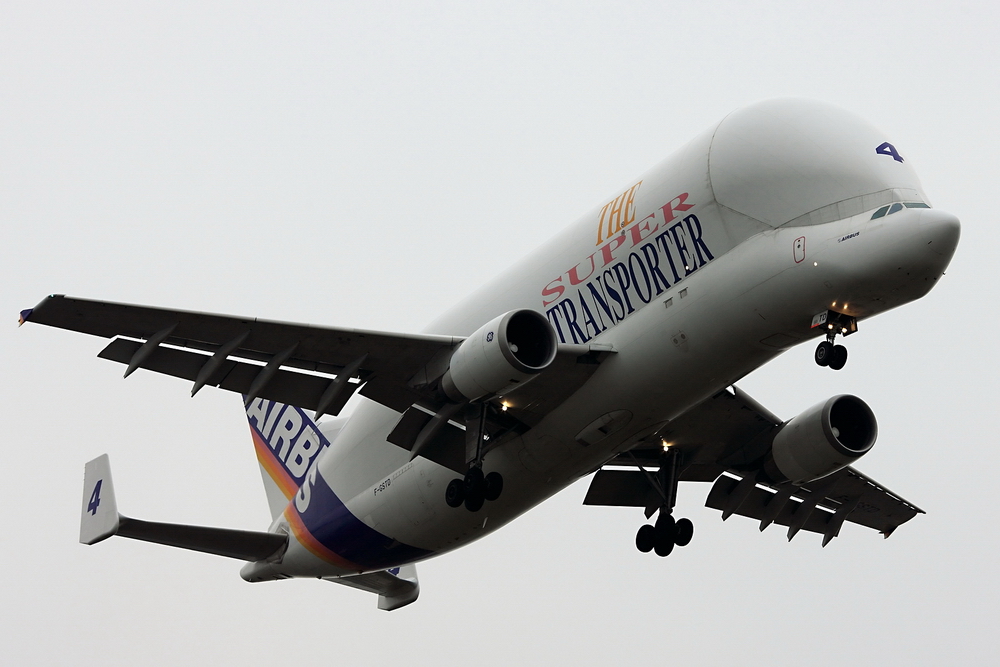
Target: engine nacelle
x: 823, y: 439
x: 503, y: 354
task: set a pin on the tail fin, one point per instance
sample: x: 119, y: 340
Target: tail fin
x: 287, y: 441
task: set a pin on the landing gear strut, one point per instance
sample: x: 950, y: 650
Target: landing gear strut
x: 828, y: 354
x: 475, y: 488
x: 667, y: 532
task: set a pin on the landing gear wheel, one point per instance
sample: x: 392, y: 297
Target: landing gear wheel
x: 666, y: 530
x: 838, y: 358
x: 645, y: 538
x: 493, y: 486
x: 683, y: 532
x: 824, y: 353
x: 474, y: 488
x: 663, y: 544
x: 474, y: 501
x: 454, y: 495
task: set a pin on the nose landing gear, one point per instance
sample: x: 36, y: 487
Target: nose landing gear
x: 827, y: 353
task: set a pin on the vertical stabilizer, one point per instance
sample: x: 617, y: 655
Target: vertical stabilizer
x: 287, y: 441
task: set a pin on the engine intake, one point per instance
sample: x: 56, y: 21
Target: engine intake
x: 500, y: 356
x: 825, y: 438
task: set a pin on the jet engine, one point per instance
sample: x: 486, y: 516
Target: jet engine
x: 823, y: 439
x: 503, y: 354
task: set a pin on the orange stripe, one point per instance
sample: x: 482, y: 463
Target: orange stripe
x: 270, y: 463
x: 313, y: 545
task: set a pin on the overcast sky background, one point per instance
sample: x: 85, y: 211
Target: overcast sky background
x: 366, y: 165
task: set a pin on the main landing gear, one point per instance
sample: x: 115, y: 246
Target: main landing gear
x: 827, y: 353
x: 664, y: 535
x: 667, y: 532
x: 475, y: 488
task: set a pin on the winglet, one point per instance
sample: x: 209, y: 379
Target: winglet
x: 25, y: 316
x: 99, y: 518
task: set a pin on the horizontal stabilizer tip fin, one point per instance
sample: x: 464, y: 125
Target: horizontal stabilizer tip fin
x: 396, y: 587
x: 99, y: 516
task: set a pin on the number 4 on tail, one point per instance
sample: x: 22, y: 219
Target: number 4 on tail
x: 95, y: 498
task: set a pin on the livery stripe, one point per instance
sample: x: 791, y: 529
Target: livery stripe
x: 273, y: 467
x: 331, y: 532
x: 314, y: 546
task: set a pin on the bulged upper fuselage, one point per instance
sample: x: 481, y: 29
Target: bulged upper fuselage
x: 696, y: 273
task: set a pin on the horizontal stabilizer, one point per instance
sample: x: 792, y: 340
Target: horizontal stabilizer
x: 100, y: 520
x: 240, y: 544
x: 396, y: 587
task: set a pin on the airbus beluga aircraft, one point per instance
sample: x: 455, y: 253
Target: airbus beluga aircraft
x: 612, y: 349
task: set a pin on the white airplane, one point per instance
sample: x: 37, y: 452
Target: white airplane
x: 612, y: 348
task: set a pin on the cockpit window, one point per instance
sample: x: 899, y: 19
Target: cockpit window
x: 889, y: 210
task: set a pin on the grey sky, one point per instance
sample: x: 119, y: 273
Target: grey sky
x: 367, y: 164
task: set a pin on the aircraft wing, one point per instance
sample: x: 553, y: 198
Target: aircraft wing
x: 282, y: 361
x: 720, y: 439
x: 310, y: 366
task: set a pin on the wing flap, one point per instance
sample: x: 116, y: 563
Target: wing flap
x: 845, y: 495
x: 287, y: 387
x: 619, y: 488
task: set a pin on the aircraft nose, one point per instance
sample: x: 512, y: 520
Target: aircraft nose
x: 941, y: 231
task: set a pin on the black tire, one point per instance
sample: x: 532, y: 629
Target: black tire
x: 683, y: 532
x: 645, y: 538
x: 493, y: 486
x: 824, y: 353
x: 839, y: 357
x: 474, y: 501
x: 454, y: 495
x: 474, y: 481
x: 663, y: 546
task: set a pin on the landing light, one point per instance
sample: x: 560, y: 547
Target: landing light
x: 815, y: 263
x: 666, y: 445
x: 504, y: 406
